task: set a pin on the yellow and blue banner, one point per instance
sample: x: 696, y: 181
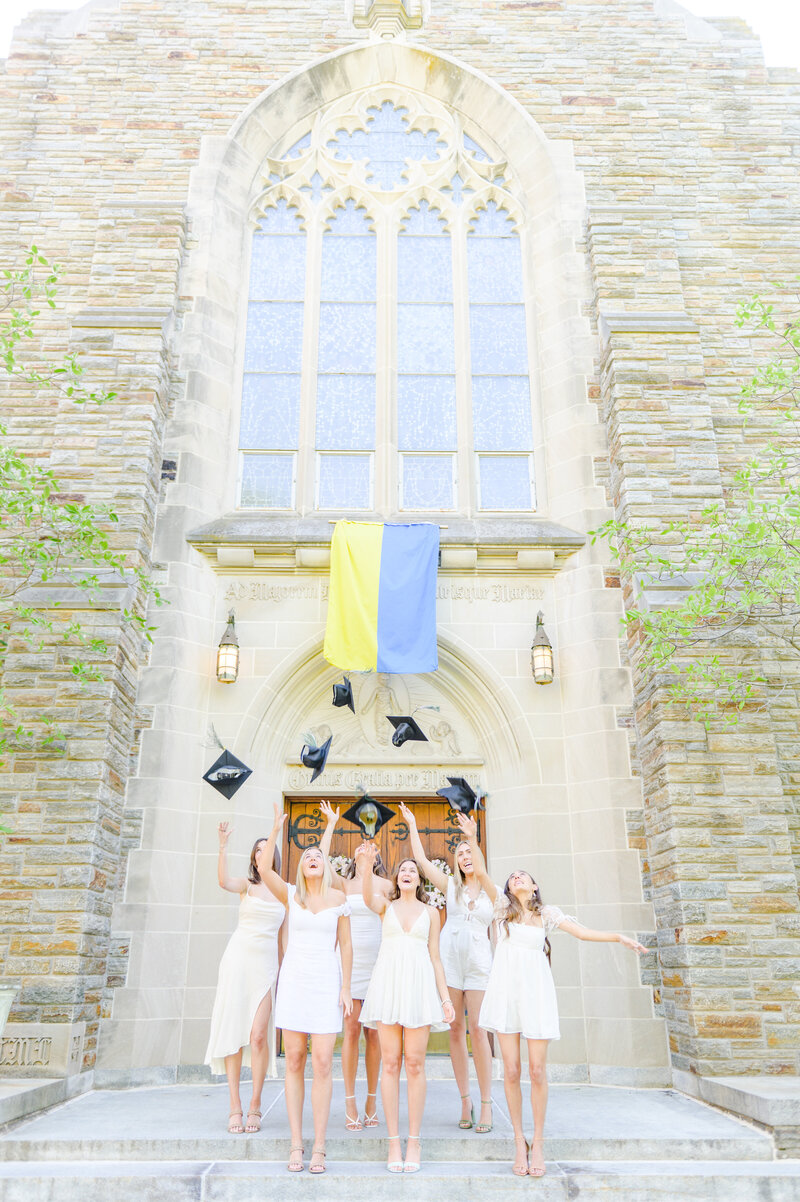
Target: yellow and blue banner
x: 382, y: 597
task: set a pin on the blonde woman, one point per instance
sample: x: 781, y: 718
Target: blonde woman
x: 520, y: 999
x: 406, y: 1000
x: 467, y: 958
x: 365, y: 930
x: 313, y: 992
x: 242, y: 1026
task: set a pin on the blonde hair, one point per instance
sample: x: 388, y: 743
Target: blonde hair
x: 300, y: 880
x: 459, y: 880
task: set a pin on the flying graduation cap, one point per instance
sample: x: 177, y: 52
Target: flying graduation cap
x: 227, y: 774
x: 315, y: 757
x: 343, y: 694
x: 461, y: 795
x: 369, y: 814
x: 405, y: 728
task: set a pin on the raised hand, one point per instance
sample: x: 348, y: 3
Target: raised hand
x: 280, y: 817
x: 369, y: 851
x: 408, y: 814
x: 224, y: 830
x: 328, y: 812
x: 469, y: 827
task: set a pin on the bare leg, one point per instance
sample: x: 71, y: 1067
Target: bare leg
x: 233, y: 1071
x: 415, y: 1047
x: 481, y: 1054
x: 458, y: 1053
x: 321, y: 1088
x: 391, y: 1041
x: 295, y: 1044
x: 509, y: 1048
x: 537, y: 1062
x: 352, y: 1033
x: 259, y: 1058
x: 372, y: 1059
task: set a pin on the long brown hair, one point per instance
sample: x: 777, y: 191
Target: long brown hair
x: 379, y: 868
x: 253, y: 875
x: 420, y: 893
x: 514, y: 909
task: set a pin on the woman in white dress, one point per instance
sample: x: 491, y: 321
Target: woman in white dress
x: 467, y: 958
x: 313, y: 990
x: 365, y: 932
x: 520, y: 999
x: 242, y: 1022
x: 406, y: 1000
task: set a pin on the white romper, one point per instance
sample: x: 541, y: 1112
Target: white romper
x: 247, y: 973
x: 311, y: 977
x: 521, y: 996
x: 465, y: 948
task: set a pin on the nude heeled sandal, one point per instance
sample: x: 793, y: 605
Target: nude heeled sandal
x: 351, y: 1124
x: 395, y: 1166
x: 295, y: 1168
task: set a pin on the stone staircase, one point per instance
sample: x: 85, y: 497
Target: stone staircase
x: 169, y: 1144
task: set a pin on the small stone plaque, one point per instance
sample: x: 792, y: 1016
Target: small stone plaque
x: 41, y: 1049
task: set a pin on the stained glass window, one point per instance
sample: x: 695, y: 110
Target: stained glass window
x: 385, y: 143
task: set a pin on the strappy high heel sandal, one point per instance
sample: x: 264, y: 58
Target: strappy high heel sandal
x: 412, y: 1166
x: 317, y: 1168
x: 371, y: 1120
x: 466, y: 1124
x: 293, y: 1165
x: 395, y: 1166
x: 485, y: 1128
x: 537, y: 1170
x: 252, y: 1127
x: 235, y: 1128
x: 351, y: 1124
x: 521, y: 1172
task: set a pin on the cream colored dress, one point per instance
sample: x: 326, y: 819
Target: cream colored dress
x: 403, y: 985
x: 247, y: 973
x: 521, y: 996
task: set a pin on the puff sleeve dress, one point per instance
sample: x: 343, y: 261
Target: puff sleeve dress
x: 520, y: 997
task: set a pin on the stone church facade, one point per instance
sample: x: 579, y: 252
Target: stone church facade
x: 218, y: 181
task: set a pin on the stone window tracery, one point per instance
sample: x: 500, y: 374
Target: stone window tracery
x: 386, y: 359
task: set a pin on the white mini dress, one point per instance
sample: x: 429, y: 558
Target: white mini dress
x: 365, y: 930
x: 521, y: 996
x: 403, y: 986
x: 311, y: 977
x: 247, y: 973
x: 465, y: 948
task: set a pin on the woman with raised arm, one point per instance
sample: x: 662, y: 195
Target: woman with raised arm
x: 467, y: 958
x: 242, y: 1022
x: 313, y: 991
x: 520, y: 1000
x: 406, y: 1000
x: 365, y: 931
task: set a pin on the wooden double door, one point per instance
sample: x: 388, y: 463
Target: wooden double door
x: 436, y: 824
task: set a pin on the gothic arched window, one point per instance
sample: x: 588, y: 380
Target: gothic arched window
x: 386, y: 362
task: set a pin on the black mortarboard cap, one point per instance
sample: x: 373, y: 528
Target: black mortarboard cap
x: 227, y: 774
x: 315, y: 757
x: 369, y: 814
x: 406, y: 728
x: 343, y: 694
x: 461, y: 795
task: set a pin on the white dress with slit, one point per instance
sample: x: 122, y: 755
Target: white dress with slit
x: 521, y: 996
x: 403, y: 986
x: 311, y: 975
x: 247, y: 973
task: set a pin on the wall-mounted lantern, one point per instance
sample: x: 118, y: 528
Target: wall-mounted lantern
x: 228, y: 654
x: 541, y: 653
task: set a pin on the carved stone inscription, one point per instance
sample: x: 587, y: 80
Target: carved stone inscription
x: 41, y: 1049
x: 402, y: 780
x: 317, y: 590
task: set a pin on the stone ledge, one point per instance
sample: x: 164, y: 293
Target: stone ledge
x: 22, y: 1097
x: 121, y: 319
x: 772, y: 1102
x: 644, y: 323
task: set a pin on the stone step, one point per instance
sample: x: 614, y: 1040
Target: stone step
x: 187, y: 1123
x: 265, y: 1181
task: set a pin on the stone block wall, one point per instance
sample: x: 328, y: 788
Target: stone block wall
x: 689, y: 158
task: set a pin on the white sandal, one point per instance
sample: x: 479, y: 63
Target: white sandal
x: 414, y: 1166
x: 395, y: 1166
x: 351, y: 1124
x: 371, y: 1120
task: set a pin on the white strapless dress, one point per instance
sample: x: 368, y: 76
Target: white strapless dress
x: 365, y: 930
x: 403, y: 986
x: 247, y: 973
x: 311, y: 976
x: 521, y: 995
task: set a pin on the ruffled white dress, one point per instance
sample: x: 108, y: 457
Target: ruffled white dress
x: 365, y: 931
x: 521, y: 996
x: 403, y: 986
x: 465, y: 948
x: 247, y: 973
x: 311, y: 976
